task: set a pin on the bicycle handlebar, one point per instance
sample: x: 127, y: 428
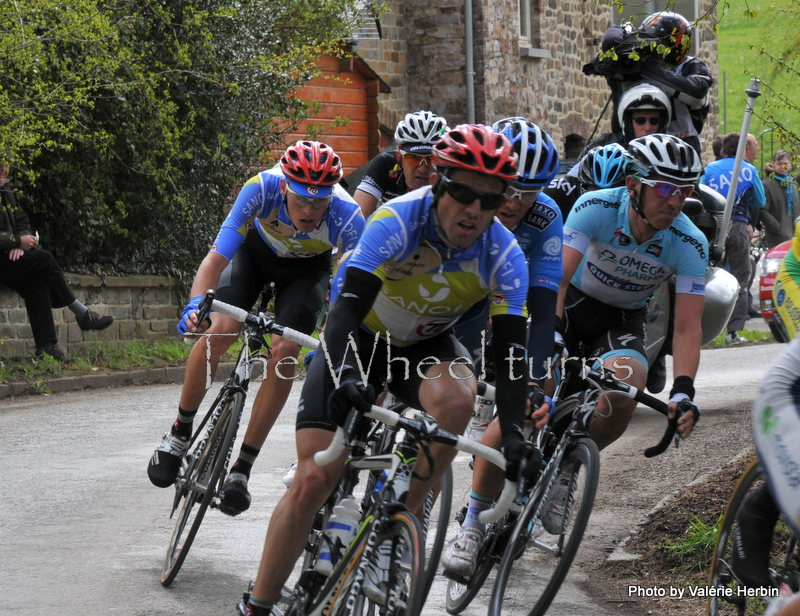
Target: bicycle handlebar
x: 391, y: 418
x: 262, y: 322
x: 606, y: 380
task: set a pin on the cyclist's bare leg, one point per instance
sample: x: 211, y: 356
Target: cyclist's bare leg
x: 614, y: 411
x: 294, y: 515
x: 448, y: 394
x: 273, y: 393
x: 195, y: 382
x: 487, y: 479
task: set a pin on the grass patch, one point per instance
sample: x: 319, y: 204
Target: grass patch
x: 694, y: 551
x: 753, y: 337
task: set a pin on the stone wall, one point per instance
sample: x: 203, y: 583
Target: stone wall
x: 146, y: 308
x: 542, y: 81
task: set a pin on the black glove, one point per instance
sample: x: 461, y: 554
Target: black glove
x: 521, y: 456
x: 350, y: 393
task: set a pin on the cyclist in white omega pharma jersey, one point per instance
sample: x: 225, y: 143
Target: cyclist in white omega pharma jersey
x: 619, y: 246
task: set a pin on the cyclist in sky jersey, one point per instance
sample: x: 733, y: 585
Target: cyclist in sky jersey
x: 423, y: 260
x: 281, y: 229
x: 619, y: 246
x: 391, y: 174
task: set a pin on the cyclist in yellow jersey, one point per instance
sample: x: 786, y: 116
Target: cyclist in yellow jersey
x: 786, y: 293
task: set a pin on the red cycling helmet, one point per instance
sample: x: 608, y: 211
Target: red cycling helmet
x: 311, y: 168
x: 476, y: 147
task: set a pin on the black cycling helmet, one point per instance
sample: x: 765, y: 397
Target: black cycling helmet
x: 671, y: 30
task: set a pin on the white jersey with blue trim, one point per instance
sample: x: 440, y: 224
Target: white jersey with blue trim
x: 426, y: 286
x: 260, y: 203
x: 615, y: 269
x: 539, y: 236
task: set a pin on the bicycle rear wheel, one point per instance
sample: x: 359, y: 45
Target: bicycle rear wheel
x: 404, y: 591
x: 534, y: 565
x: 784, y: 558
x: 197, y: 484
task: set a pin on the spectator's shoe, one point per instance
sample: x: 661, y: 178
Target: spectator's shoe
x: 289, y: 476
x: 376, y: 574
x: 92, y: 320
x: 462, y: 551
x: 234, y: 497
x: 559, y: 503
x: 166, y: 460
x: 735, y: 338
x: 657, y: 376
x: 55, y: 352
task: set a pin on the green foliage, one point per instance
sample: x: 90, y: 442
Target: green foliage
x: 131, y: 123
x: 760, y: 39
x: 694, y: 553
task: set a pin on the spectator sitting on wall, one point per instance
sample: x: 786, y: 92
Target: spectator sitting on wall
x: 36, y: 276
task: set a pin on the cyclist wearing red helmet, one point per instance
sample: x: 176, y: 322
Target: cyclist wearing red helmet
x: 282, y: 229
x: 424, y: 259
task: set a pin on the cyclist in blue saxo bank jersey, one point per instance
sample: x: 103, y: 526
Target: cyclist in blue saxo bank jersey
x: 392, y: 174
x: 536, y: 222
x: 619, y: 246
x: 423, y: 260
x: 776, y: 432
x: 282, y: 229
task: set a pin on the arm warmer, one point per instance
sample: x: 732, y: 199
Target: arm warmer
x: 542, y: 308
x: 508, y: 331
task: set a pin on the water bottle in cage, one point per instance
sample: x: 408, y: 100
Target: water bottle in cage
x: 481, y: 417
x: 339, y: 532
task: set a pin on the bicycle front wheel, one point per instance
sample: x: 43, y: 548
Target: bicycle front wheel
x: 535, y: 561
x: 197, y: 485
x: 400, y: 580
x: 435, y: 523
x: 784, y: 560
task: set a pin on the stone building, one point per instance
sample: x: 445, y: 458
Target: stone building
x: 523, y: 62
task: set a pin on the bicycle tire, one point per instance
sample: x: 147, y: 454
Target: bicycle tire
x: 401, y: 526
x: 200, y: 486
x: 438, y: 516
x: 459, y: 595
x: 784, y: 559
x: 528, y: 576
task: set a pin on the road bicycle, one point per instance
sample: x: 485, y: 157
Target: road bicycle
x: 204, y: 468
x: 532, y: 560
x: 388, y: 534
x: 727, y: 597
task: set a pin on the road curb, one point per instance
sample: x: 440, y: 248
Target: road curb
x: 144, y: 376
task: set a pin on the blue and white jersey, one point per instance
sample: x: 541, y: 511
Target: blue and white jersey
x: 719, y: 176
x: 539, y: 235
x: 260, y: 203
x: 615, y: 269
x: 426, y: 286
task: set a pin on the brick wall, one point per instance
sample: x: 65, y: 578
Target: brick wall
x: 422, y: 57
x: 146, y: 308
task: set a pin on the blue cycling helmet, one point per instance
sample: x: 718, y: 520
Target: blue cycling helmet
x: 604, y: 166
x: 538, y: 156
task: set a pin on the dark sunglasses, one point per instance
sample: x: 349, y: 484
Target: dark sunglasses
x: 465, y: 195
x: 641, y: 121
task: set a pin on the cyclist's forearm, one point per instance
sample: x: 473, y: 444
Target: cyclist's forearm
x: 208, y: 273
x: 508, y: 333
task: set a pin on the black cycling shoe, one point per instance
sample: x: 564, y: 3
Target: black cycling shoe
x: 657, y: 375
x: 752, y: 539
x: 234, y: 496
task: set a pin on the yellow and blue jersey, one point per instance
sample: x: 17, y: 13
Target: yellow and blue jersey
x: 261, y: 204
x: 426, y: 286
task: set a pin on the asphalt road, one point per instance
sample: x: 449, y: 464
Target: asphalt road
x: 83, y: 532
